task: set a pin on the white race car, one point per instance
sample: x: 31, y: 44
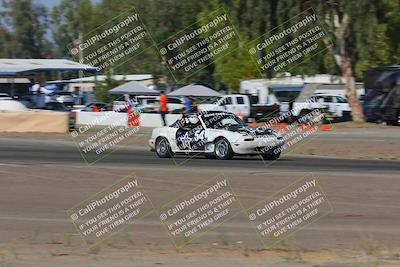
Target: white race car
x: 215, y: 134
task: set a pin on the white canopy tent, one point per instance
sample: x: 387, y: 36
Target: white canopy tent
x: 195, y: 90
x: 19, y: 67
x: 133, y: 88
x: 35, y: 70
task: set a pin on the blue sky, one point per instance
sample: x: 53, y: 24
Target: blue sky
x: 49, y: 3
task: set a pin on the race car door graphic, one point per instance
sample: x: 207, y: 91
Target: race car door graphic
x: 191, y: 135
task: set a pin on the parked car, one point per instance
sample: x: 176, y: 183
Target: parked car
x: 57, y: 106
x: 12, y: 105
x: 66, y: 98
x: 175, y: 105
x: 89, y: 107
x: 148, y: 104
x: 215, y: 134
x: 4, y: 96
x: 151, y: 104
x: 27, y: 101
x: 120, y: 106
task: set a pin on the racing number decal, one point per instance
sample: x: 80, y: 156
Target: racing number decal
x: 190, y: 139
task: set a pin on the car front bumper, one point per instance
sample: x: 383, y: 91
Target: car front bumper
x: 257, y: 146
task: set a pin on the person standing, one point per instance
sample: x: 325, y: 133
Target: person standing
x: 188, y: 105
x: 40, y: 99
x: 163, y: 107
x: 193, y: 104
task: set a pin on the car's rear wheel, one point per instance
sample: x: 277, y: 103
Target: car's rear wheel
x: 222, y: 149
x: 163, y: 149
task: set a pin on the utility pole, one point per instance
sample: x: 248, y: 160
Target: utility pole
x: 80, y: 54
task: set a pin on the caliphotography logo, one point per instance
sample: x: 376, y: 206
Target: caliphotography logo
x: 196, y: 212
x: 199, y: 133
x: 98, y: 134
x: 195, y: 47
x: 109, y: 211
x: 289, y: 210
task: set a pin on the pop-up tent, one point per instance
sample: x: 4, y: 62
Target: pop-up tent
x: 133, y: 88
x: 195, y: 90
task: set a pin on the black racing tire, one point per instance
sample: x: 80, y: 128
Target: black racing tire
x: 163, y: 149
x: 223, y: 149
x: 346, y: 116
x: 271, y: 156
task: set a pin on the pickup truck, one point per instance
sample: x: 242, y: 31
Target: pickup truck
x: 336, y: 106
x: 243, y: 105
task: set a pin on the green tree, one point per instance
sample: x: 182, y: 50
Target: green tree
x: 102, y: 88
x: 70, y: 20
x: 28, y: 23
x: 6, y: 43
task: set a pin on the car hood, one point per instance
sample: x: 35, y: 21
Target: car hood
x: 257, y: 131
x: 210, y: 107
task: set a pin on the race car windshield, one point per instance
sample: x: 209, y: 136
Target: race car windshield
x: 219, y: 121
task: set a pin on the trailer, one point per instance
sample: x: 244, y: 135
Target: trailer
x: 382, y: 94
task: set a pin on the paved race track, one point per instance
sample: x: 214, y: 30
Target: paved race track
x: 41, y: 178
x: 35, y: 152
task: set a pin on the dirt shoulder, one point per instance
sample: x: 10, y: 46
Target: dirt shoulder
x: 61, y: 255
x: 346, y: 142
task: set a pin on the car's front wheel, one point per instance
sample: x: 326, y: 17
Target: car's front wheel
x: 163, y: 149
x: 223, y: 149
x: 271, y: 156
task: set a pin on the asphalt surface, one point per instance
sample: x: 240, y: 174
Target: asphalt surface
x: 31, y: 151
x: 41, y: 177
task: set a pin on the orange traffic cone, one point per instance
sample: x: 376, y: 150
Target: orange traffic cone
x: 282, y: 127
x: 325, y: 127
x: 254, y: 124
